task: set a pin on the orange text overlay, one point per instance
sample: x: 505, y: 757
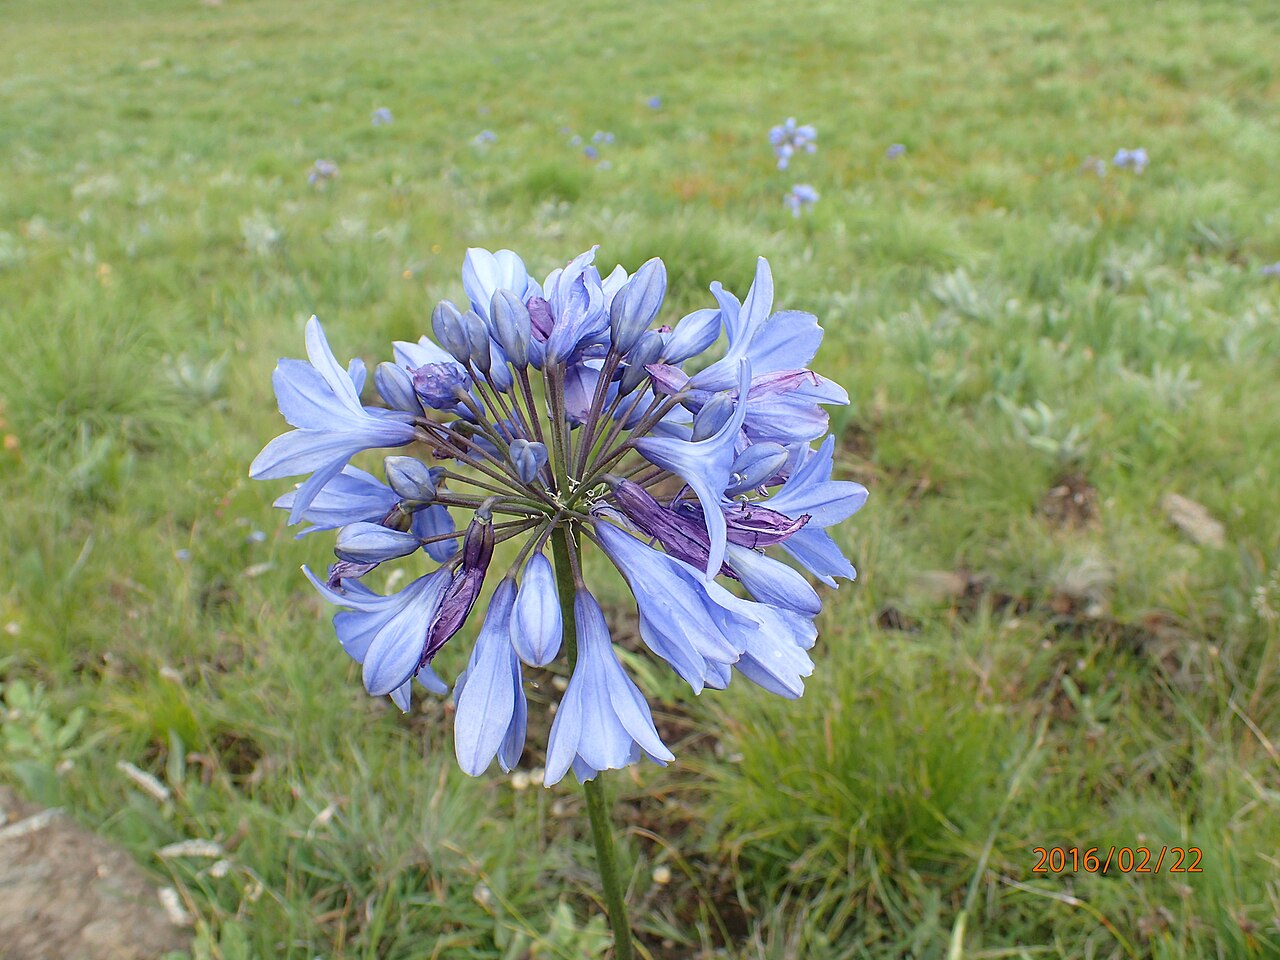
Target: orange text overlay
x: 1116, y: 860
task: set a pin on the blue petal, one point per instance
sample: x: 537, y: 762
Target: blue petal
x: 538, y: 628
x: 772, y: 582
x: 704, y: 466
x: 603, y: 722
x: 819, y: 554
x: 811, y: 490
x: 675, y: 618
x: 432, y: 522
x: 691, y: 336
x: 487, y: 702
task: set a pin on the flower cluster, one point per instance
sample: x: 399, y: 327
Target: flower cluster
x: 557, y: 416
x: 1135, y: 160
x: 322, y: 171
x: 800, y: 196
x: 789, y: 137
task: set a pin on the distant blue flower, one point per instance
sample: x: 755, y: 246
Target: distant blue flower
x: 322, y: 171
x: 484, y: 137
x: 1270, y: 270
x: 558, y: 410
x: 602, y: 136
x: 802, y: 195
x: 789, y: 137
x: 895, y: 151
x: 1135, y: 160
x: 1095, y: 165
x: 590, y: 152
x: 382, y: 117
x: 654, y: 103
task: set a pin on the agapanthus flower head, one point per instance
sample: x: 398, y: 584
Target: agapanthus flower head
x: 382, y: 117
x: 557, y: 417
x: 322, y: 171
x: 1135, y: 160
x: 800, y: 196
x: 790, y: 137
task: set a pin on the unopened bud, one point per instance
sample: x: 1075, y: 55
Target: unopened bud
x: 636, y: 304
x: 512, y: 326
x: 647, y: 350
x: 411, y: 479
x: 715, y: 413
x: 395, y: 386
x: 446, y: 324
x: 438, y: 384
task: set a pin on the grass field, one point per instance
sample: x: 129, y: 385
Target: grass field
x: 1034, y: 655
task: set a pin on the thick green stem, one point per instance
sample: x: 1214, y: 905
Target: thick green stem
x: 597, y: 805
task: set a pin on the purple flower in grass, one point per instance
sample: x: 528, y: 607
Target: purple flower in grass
x: 382, y: 117
x: 790, y: 137
x: 322, y: 171
x: 1270, y: 270
x: 552, y: 414
x: 895, y: 151
x: 654, y: 103
x: 1135, y: 160
x: 800, y: 196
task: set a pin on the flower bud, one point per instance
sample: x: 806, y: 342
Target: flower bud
x: 461, y: 594
x: 395, y: 386
x: 528, y: 458
x: 446, y: 324
x: 477, y: 339
x: 538, y: 626
x: 438, y: 384
x: 636, y: 304
x: 373, y: 543
x: 715, y: 413
x: 540, y: 318
x: 754, y: 465
x: 693, y: 334
x: 512, y: 326
x: 411, y: 479
x: 647, y: 350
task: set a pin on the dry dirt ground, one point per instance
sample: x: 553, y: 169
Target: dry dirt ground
x: 67, y: 894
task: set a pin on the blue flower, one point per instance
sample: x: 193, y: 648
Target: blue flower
x: 556, y: 412
x: 1270, y: 270
x: 385, y: 633
x: 789, y: 137
x: 1135, y: 160
x: 492, y: 711
x: 382, y: 117
x: 322, y: 400
x: 350, y: 497
x: 895, y: 151
x: 603, y: 722
x: 322, y: 171
x: 654, y: 103
x: 801, y: 195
